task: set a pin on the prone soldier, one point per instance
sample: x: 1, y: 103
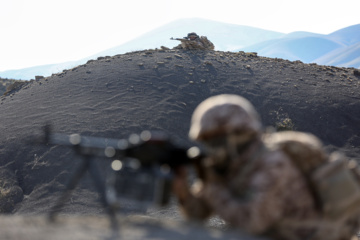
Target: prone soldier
x: 193, y: 41
x: 251, y: 179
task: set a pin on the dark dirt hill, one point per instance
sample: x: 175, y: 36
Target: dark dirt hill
x: 158, y: 90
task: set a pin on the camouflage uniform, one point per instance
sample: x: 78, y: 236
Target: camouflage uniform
x: 252, y: 183
x: 202, y: 43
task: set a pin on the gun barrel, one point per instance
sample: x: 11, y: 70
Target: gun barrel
x: 148, y: 148
x: 91, y: 146
x: 86, y: 141
x: 179, y: 39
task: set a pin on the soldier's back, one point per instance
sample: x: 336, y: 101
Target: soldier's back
x: 335, y: 191
x: 207, y: 44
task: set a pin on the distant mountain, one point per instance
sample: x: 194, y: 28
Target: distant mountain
x: 339, y: 48
x: 305, y: 49
x: 348, y: 56
x: 226, y: 37
x: 301, y: 34
x: 348, y: 36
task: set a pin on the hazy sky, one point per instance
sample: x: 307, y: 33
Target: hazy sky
x: 38, y: 32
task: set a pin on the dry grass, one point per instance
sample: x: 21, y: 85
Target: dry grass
x: 8, y: 85
x: 285, y: 124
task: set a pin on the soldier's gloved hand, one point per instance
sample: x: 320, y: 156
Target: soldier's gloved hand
x: 217, y: 197
x: 180, y: 184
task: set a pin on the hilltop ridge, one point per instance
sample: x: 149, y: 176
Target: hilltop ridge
x: 226, y: 37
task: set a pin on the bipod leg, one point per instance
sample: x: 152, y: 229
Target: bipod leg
x: 101, y: 188
x: 74, y: 180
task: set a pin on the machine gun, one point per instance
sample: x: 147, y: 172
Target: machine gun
x: 142, y: 166
x: 189, y: 44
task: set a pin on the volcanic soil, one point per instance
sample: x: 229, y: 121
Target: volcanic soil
x: 116, y: 96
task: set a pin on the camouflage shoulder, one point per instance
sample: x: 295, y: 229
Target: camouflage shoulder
x: 299, y: 146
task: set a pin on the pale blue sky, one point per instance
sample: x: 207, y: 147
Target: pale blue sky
x: 38, y: 32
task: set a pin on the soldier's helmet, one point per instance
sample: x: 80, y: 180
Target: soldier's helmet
x: 192, y: 36
x: 224, y: 115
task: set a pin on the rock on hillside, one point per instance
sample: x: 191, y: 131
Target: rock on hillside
x: 158, y: 90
